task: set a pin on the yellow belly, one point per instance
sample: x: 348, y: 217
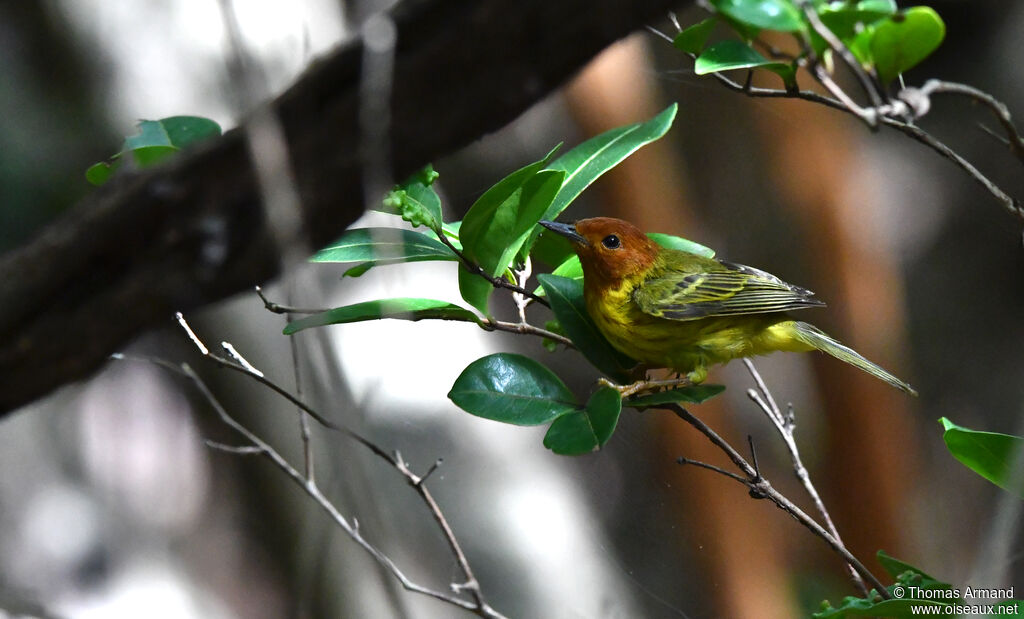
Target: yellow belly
x: 687, y: 346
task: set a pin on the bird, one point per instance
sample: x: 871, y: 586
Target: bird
x: 668, y: 308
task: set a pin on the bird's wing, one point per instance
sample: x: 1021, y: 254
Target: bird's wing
x: 733, y: 290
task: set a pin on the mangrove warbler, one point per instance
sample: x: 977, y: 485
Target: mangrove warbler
x: 673, y: 309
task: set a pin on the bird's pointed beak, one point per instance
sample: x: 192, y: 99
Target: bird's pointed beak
x: 566, y: 230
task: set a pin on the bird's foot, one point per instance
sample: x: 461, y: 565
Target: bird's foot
x: 644, y: 386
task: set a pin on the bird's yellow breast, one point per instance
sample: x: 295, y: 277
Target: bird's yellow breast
x: 684, y: 345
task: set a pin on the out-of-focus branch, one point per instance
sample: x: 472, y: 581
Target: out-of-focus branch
x: 257, y: 446
x: 193, y: 231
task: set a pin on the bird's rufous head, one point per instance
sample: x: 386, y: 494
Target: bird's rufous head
x: 610, y: 250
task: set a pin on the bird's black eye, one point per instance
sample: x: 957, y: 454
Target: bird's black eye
x: 611, y: 242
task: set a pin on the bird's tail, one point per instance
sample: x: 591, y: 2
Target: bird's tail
x: 818, y: 339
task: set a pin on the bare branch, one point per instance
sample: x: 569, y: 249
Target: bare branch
x: 786, y: 426
x: 525, y: 329
x: 760, y: 487
x: 258, y: 446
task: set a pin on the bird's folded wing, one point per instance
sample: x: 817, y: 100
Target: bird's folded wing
x: 734, y: 290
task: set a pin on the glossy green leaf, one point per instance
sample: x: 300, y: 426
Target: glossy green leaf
x: 499, y: 222
x: 401, y: 308
x: 996, y: 457
x: 847, y: 20
x: 728, y: 55
x: 512, y: 389
x: 903, y: 40
x: 588, y: 161
x: 155, y: 141
x: 692, y: 39
x: 588, y: 430
x: 376, y: 246
x: 566, y: 297
x: 885, y: 7
x: 415, y: 200
x: 694, y: 394
x: 782, y: 15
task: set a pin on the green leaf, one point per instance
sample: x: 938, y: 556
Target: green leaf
x: 895, y: 609
x: 376, y: 246
x: 571, y: 268
x: 996, y: 457
x: 551, y: 249
x: 415, y: 200
x: 555, y: 327
x: 512, y: 389
x: 184, y: 130
x: 903, y: 603
x: 694, y: 394
x: 146, y: 156
x: 670, y: 241
x: 566, y: 297
x: 588, y: 430
x: 895, y: 568
x: 728, y: 55
x: 885, y: 7
x: 846, y: 21
x: 692, y: 39
x: 780, y: 15
x: 155, y: 141
x: 588, y: 161
x: 498, y: 224
x: 401, y: 308
x: 99, y: 173
x: 903, y: 40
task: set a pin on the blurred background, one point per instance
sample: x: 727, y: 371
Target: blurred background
x: 112, y: 506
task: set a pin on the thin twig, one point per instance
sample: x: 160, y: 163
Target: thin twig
x: 470, y: 584
x: 487, y: 324
x: 711, y: 467
x: 998, y: 108
x: 1012, y: 205
x: 304, y: 432
x: 786, y: 426
x: 497, y: 282
x: 491, y: 324
x: 868, y: 83
x: 277, y: 308
x: 761, y: 488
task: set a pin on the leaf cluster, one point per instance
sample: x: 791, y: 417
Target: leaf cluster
x: 885, y: 40
x: 496, y: 244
